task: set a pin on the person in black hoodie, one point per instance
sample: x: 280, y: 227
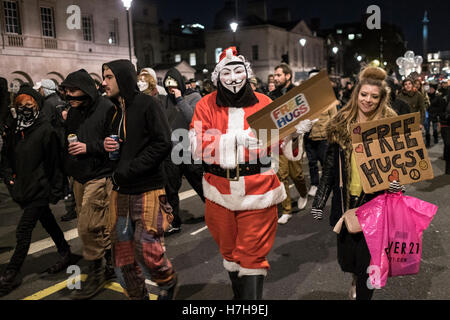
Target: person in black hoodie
x: 31, y: 170
x: 92, y: 118
x: 437, y: 104
x: 179, y: 105
x: 139, y: 212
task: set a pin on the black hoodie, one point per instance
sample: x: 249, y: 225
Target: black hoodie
x: 178, y: 111
x: 145, y: 133
x: 31, y: 158
x: 92, y: 123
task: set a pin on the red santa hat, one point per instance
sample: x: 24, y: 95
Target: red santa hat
x: 226, y: 57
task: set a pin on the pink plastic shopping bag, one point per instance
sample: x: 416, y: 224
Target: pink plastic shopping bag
x: 393, y: 225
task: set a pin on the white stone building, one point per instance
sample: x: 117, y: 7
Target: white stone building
x: 263, y: 45
x: 36, y: 42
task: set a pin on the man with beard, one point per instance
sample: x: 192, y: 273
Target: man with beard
x: 139, y: 210
x: 413, y: 98
x: 241, y: 189
x: 288, y: 168
x: 179, y: 105
x: 91, y: 118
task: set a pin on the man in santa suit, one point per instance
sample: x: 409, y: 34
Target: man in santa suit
x: 241, y: 188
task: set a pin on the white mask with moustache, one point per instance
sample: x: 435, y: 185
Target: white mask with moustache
x: 233, y: 77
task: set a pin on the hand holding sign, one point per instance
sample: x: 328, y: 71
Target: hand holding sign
x: 390, y: 149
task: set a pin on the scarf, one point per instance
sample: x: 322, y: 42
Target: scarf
x: 26, y: 118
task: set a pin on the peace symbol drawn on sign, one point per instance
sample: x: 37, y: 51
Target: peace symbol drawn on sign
x: 414, y: 174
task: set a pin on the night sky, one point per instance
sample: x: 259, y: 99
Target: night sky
x: 408, y: 14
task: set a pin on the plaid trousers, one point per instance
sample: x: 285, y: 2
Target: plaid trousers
x: 137, y: 235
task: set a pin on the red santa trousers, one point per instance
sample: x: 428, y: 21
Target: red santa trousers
x: 244, y: 237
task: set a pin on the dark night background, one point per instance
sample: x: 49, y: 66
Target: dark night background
x: 407, y: 14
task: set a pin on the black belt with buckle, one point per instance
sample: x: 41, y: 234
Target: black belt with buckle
x: 242, y: 169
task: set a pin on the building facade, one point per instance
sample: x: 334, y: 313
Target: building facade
x: 146, y: 33
x: 49, y: 38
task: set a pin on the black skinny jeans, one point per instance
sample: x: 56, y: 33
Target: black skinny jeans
x: 24, y: 231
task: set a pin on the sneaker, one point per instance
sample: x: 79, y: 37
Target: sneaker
x: 172, y: 230
x: 312, y: 191
x: 284, y: 218
x: 302, y: 202
x: 9, y: 280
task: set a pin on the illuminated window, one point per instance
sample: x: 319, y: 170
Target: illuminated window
x: 351, y: 36
x: 177, y: 57
x: 192, y: 59
x: 217, y: 53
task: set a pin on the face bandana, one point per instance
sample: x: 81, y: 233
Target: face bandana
x: 26, y: 117
x: 143, y: 85
x: 79, y: 98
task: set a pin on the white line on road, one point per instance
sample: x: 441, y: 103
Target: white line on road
x: 71, y: 234
x: 199, y: 230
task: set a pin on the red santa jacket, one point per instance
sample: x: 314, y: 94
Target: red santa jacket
x: 211, y: 142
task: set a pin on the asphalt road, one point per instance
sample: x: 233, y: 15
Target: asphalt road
x: 303, y: 258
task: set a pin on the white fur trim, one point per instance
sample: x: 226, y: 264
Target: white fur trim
x: 231, y: 266
x: 289, y: 152
x: 238, y: 202
x: 227, y: 151
x: 225, y: 61
x: 252, y: 272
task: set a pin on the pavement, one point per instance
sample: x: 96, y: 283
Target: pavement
x: 303, y: 258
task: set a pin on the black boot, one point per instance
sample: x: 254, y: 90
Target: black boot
x: 167, y: 293
x: 110, y: 274
x: 251, y: 287
x: 94, y: 283
x: 235, y: 283
x: 8, y: 282
x: 62, y: 264
x: 70, y: 215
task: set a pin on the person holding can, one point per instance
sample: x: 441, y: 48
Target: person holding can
x: 90, y: 119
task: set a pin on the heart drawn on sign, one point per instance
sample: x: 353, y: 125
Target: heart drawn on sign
x: 359, y: 149
x: 357, y: 130
x: 393, y: 176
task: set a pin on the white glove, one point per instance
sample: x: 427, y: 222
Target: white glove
x: 243, y: 138
x: 305, y: 126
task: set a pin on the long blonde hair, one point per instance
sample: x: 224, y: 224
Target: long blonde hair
x: 372, y: 76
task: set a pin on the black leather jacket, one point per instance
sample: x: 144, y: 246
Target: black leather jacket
x: 329, y: 182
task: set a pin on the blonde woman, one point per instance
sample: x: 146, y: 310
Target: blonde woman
x: 369, y: 101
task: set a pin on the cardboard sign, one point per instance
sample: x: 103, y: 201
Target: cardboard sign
x: 390, y: 149
x: 307, y: 101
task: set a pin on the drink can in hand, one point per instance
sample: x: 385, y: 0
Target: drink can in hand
x: 71, y: 138
x: 115, y: 155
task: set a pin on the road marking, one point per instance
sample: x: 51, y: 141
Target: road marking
x: 72, y: 234
x: 51, y: 290
x: 199, y: 230
x: 114, y: 286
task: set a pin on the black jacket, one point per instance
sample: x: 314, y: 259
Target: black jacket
x: 92, y: 124
x: 437, y: 106
x: 278, y: 92
x: 31, y: 158
x: 329, y: 182
x: 4, y: 102
x: 145, y: 133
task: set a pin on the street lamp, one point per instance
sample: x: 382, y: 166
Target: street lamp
x: 127, y: 6
x: 359, y: 58
x: 234, y: 26
x: 335, y: 51
x: 302, y: 43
